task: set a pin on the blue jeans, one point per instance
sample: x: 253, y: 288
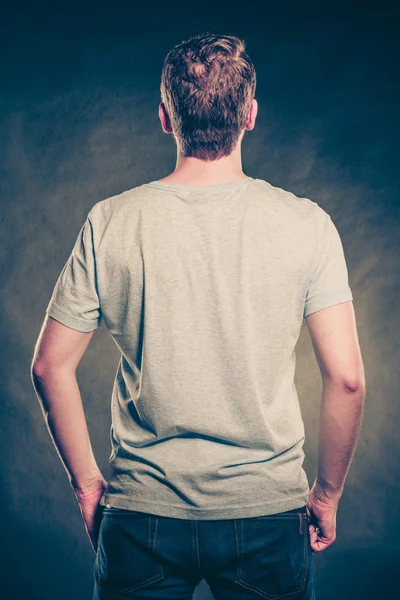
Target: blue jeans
x: 142, y: 556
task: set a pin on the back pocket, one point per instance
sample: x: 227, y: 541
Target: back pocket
x: 272, y: 554
x: 126, y: 558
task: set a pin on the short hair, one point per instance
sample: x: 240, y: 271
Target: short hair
x: 207, y: 85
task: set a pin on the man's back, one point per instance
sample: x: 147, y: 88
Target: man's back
x: 204, y: 290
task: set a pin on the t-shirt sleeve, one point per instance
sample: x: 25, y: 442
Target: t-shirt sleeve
x: 75, y: 301
x: 329, y: 283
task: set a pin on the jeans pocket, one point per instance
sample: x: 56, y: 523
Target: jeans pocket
x: 126, y: 559
x: 272, y: 554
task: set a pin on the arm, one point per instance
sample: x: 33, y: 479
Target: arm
x: 334, y: 337
x: 58, y: 352
x: 73, y: 314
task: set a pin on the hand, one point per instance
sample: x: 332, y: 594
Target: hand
x: 88, y: 499
x: 321, y: 509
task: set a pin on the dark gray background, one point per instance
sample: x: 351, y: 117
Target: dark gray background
x: 78, y: 109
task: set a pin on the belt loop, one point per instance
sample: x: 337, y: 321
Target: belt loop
x: 301, y: 522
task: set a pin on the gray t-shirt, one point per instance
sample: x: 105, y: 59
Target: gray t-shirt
x: 204, y: 290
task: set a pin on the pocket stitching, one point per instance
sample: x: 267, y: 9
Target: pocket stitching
x: 239, y: 570
x: 151, y: 544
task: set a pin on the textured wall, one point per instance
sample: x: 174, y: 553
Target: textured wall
x: 78, y: 122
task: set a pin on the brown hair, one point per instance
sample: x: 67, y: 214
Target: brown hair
x: 207, y: 85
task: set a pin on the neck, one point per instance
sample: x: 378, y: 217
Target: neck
x: 195, y: 171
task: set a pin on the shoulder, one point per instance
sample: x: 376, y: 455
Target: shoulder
x: 117, y: 205
x: 300, y: 205
x: 299, y: 213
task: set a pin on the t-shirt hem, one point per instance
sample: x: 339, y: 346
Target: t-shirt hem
x: 178, y: 512
x: 71, y: 321
x: 327, y: 301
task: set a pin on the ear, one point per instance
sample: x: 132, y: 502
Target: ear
x: 164, y: 118
x: 251, y: 119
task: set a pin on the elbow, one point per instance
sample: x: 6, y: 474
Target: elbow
x: 354, y: 385
x: 37, y: 371
x: 43, y: 369
x: 356, y: 382
x: 40, y: 369
x: 351, y: 381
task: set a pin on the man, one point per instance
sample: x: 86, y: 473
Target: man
x: 203, y: 279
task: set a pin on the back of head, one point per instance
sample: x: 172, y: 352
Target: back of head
x: 207, y: 85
